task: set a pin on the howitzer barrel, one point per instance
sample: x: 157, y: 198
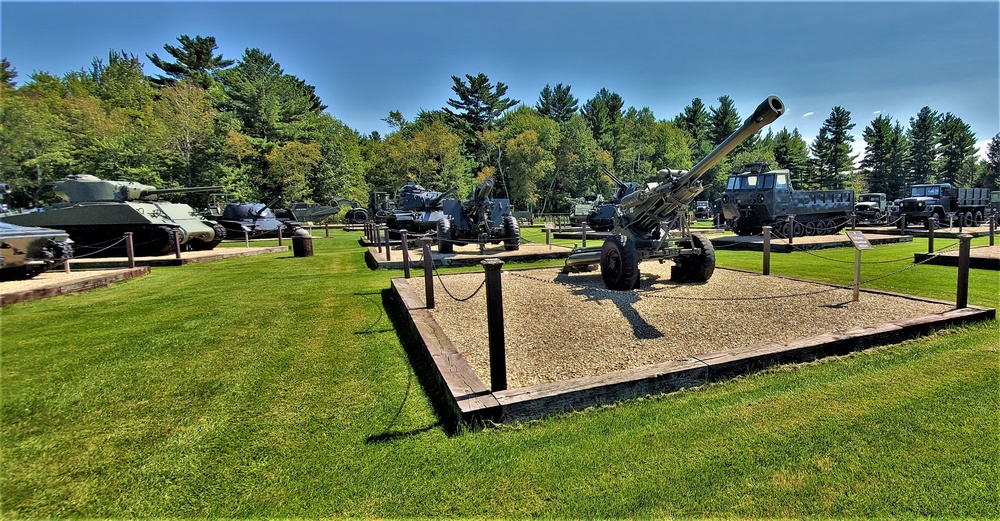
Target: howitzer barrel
x: 768, y: 111
x: 615, y: 179
x: 483, y: 190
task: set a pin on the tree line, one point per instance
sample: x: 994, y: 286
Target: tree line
x: 264, y: 135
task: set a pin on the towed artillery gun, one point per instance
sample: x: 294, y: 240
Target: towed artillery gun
x: 479, y: 219
x: 644, y: 220
x: 417, y: 209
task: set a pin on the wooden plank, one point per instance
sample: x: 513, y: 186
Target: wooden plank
x: 89, y: 281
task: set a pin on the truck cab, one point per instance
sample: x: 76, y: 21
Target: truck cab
x: 871, y: 207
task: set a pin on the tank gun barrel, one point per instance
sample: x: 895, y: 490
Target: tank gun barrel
x: 617, y: 180
x: 680, y: 188
x: 443, y: 195
x: 171, y: 191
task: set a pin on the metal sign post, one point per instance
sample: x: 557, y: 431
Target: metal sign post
x: 860, y: 243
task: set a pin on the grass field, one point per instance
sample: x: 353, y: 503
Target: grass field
x: 275, y: 386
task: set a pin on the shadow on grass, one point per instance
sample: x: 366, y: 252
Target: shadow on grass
x: 390, y: 436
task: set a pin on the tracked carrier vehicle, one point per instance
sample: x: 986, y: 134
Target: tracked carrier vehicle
x: 759, y: 197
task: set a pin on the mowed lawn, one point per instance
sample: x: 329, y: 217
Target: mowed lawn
x: 276, y: 386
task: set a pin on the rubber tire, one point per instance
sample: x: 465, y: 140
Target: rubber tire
x: 512, y: 233
x: 977, y: 218
x: 445, y: 244
x: 619, y: 263
x: 967, y: 219
x: 695, y: 268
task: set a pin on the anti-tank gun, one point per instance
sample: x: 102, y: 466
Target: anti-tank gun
x: 645, y: 219
x: 479, y: 219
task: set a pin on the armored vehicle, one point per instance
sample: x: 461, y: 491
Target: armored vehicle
x: 303, y: 212
x: 761, y: 197
x: 601, y: 217
x: 645, y: 219
x: 26, y: 251
x: 96, y: 213
x: 380, y: 206
x: 581, y: 207
x: 935, y: 203
x: 417, y: 209
x: 480, y: 219
x: 871, y: 208
x: 702, y: 210
x: 254, y: 221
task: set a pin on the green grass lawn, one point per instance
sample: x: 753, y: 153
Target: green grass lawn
x: 275, y: 386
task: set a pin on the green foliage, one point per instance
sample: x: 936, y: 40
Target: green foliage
x: 7, y: 74
x: 557, y: 104
x: 832, y: 150
x: 477, y: 108
x: 989, y: 176
x: 695, y: 121
x: 885, y: 157
x: 194, y: 60
x: 957, y: 148
x: 924, y: 136
x: 603, y: 113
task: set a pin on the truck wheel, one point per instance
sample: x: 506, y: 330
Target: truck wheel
x: 445, y: 244
x: 967, y: 219
x: 977, y: 219
x: 695, y: 268
x: 512, y: 232
x: 877, y: 217
x: 619, y: 263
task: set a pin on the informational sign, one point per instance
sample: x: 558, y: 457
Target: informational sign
x: 860, y: 241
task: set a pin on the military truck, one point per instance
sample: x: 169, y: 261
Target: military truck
x: 932, y: 204
x: 871, y: 208
x: 702, y: 210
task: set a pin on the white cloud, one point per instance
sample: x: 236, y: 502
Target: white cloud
x: 807, y: 114
x: 877, y: 112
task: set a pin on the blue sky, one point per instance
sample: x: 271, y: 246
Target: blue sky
x: 367, y: 58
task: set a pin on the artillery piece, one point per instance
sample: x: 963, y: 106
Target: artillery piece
x: 479, y: 219
x: 643, y: 220
x: 417, y: 209
x: 97, y: 212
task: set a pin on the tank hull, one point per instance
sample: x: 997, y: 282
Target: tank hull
x: 26, y: 251
x: 91, y: 225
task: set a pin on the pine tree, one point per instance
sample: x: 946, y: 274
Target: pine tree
x: 957, y: 146
x: 195, y: 59
x: 557, y: 103
x: 791, y: 152
x: 604, y: 113
x: 478, y: 106
x: 7, y: 73
x: 885, y: 156
x: 923, y: 136
x: 832, y: 149
x: 990, y: 177
x: 694, y: 120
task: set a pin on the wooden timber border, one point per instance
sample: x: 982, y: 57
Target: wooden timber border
x: 83, y: 281
x: 461, y: 397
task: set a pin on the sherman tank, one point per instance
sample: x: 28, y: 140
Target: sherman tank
x: 417, y: 209
x: 96, y: 213
x: 758, y: 197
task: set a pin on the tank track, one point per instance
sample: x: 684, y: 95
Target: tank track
x: 148, y: 241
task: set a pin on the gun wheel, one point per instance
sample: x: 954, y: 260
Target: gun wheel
x: 512, y: 232
x: 695, y: 268
x: 445, y: 244
x: 619, y: 263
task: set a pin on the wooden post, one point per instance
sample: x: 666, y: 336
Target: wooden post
x: 279, y: 235
x: 902, y: 222
x: 406, y: 254
x: 854, y: 221
x: 548, y: 237
x: 993, y: 227
x: 326, y: 228
x: 767, y: 250
x: 791, y: 228
x: 177, y: 243
x: 428, y: 271
x: 494, y: 320
x: 857, y: 274
x: 246, y: 238
x: 961, y: 223
x: 964, y: 245
x: 130, y: 250
x: 583, y: 237
x: 388, y: 249
x: 931, y: 225
x: 378, y: 239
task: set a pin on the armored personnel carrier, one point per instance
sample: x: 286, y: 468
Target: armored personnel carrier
x: 96, y: 213
x: 759, y: 196
x: 417, y: 209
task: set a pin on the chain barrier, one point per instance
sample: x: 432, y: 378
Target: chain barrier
x: 446, y: 290
x: 930, y: 257
x: 108, y: 247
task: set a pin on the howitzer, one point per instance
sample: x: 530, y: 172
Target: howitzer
x: 644, y: 219
x: 480, y: 219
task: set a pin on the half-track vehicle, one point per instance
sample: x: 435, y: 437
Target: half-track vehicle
x: 97, y: 212
x: 759, y: 197
x: 417, y: 209
x: 932, y: 204
x: 480, y: 219
x: 872, y: 208
x: 645, y: 220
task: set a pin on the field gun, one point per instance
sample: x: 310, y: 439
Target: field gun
x: 643, y: 219
x: 478, y: 219
x: 417, y: 209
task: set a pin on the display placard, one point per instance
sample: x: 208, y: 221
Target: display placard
x: 860, y: 241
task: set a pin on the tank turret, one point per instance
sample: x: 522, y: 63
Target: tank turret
x: 85, y: 187
x: 417, y: 209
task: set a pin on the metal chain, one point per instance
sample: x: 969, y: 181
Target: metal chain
x: 915, y: 264
x: 446, y: 290
x: 108, y: 247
